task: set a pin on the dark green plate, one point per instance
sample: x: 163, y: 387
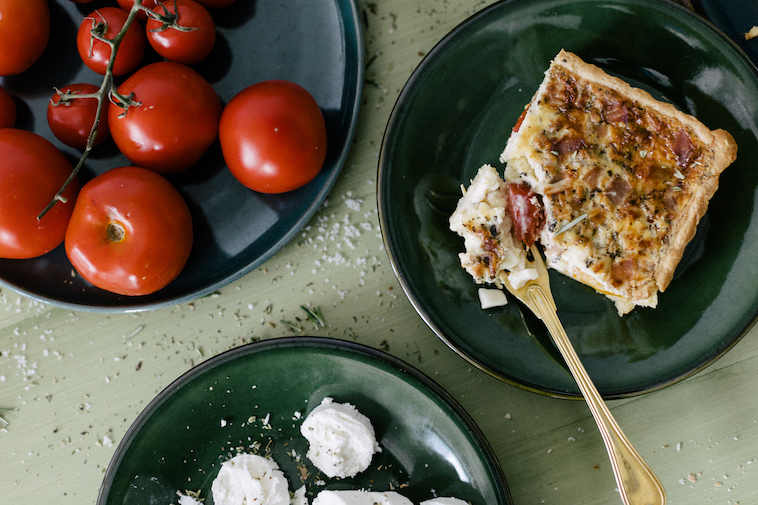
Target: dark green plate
x: 257, y: 395
x: 315, y: 43
x: 735, y: 18
x: 455, y: 114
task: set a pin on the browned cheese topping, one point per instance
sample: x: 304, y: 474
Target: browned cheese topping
x: 623, y: 166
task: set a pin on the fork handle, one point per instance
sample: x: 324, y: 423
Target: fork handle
x: 637, y: 483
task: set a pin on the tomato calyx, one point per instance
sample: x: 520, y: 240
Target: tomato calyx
x: 168, y: 19
x: 125, y: 102
x: 66, y: 97
x: 97, y: 32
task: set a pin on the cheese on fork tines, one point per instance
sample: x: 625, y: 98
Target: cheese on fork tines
x: 360, y: 497
x: 341, y: 439
x: 250, y: 479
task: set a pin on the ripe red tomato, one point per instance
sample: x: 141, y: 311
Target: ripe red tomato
x: 130, y: 233
x: 24, y: 33
x: 107, y: 22
x: 273, y: 136
x: 7, y: 109
x: 526, y: 212
x: 175, y: 123
x: 215, y: 4
x: 173, y: 43
x: 32, y: 170
x: 127, y: 6
x: 71, y: 121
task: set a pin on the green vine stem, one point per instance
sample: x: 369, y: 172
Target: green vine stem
x: 106, y: 88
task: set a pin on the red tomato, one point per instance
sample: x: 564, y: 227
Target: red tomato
x: 7, y: 109
x: 526, y: 212
x: 32, y: 170
x: 24, y: 33
x: 175, y: 123
x: 188, y: 38
x: 71, y: 121
x: 127, y: 6
x: 215, y: 4
x: 520, y: 120
x: 106, y: 23
x: 273, y: 136
x: 130, y: 233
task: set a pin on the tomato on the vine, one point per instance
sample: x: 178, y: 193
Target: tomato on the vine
x: 188, y: 37
x: 107, y: 23
x: 7, y: 109
x: 24, y: 33
x: 273, y: 136
x: 32, y: 171
x: 71, y: 120
x: 130, y: 233
x: 173, y: 119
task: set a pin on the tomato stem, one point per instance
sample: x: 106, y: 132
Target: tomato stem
x: 168, y: 20
x: 105, y: 88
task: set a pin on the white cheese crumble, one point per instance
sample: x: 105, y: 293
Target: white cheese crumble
x: 491, y: 298
x: 360, y: 497
x: 445, y: 500
x: 248, y: 478
x: 341, y: 439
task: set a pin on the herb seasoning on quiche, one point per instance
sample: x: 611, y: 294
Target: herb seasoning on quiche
x: 617, y: 182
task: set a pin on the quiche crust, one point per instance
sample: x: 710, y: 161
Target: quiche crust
x: 624, y: 178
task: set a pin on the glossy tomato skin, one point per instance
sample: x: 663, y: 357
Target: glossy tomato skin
x: 130, y: 233
x: 126, y: 5
x: 182, y: 46
x: 273, y: 136
x: 526, y: 212
x: 7, y: 109
x: 24, y: 34
x: 175, y: 123
x: 32, y: 170
x: 71, y: 121
x: 95, y: 53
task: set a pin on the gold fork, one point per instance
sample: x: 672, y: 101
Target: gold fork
x: 636, y: 482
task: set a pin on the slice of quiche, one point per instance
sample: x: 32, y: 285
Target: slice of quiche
x: 624, y: 179
x: 619, y: 180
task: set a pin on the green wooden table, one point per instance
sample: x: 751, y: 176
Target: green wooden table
x: 74, y: 381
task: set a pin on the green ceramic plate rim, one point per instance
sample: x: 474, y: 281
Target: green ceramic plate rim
x: 415, y: 299
x: 488, y: 456
x: 353, y: 46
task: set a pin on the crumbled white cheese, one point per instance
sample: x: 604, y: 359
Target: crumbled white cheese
x: 298, y: 497
x: 359, y: 497
x: 341, y: 439
x: 520, y: 277
x: 444, y: 500
x: 248, y: 478
x: 490, y: 298
x: 188, y: 500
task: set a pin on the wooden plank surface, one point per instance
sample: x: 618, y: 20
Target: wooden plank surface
x: 75, y: 381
